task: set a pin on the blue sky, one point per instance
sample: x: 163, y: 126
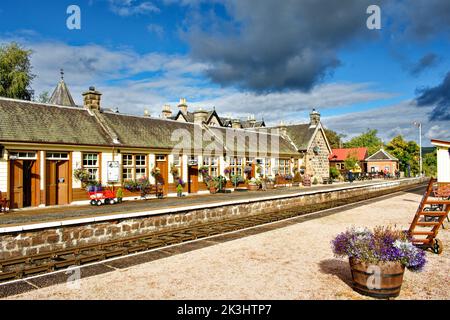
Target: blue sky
x: 245, y: 58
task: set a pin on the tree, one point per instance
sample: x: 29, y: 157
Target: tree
x: 407, y: 152
x: 430, y: 164
x: 15, y: 72
x: 367, y: 139
x: 44, y: 97
x: 334, y: 139
x: 351, y: 162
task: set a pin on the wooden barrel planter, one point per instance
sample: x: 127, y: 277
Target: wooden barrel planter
x: 389, y: 284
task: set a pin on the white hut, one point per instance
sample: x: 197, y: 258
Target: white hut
x: 443, y: 160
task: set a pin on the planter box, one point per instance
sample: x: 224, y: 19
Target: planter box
x: 384, y: 284
x: 253, y: 187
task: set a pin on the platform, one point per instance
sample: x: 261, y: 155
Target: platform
x: 36, y: 218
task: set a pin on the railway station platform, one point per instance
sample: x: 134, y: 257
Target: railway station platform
x: 40, y: 231
x: 73, y: 214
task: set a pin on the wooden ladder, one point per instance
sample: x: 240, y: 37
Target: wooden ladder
x: 431, y: 206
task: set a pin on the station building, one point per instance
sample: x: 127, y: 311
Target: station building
x: 41, y: 145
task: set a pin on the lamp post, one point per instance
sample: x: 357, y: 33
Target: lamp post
x: 419, y: 125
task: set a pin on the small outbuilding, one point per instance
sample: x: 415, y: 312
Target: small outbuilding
x: 382, y: 161
x: 443, y: 160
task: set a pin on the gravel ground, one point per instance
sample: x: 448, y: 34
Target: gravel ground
x: 293, y: 262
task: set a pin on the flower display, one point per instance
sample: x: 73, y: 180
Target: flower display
x: 156, y: 172
x: 383, y: 244
x: 81, y: 175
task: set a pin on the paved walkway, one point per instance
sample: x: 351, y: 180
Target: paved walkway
x: 38, y: 215
x: 293, y: 261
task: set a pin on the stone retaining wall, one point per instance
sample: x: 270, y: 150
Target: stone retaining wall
x: 44, y: 240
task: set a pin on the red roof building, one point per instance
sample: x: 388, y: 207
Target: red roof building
x: 338, y: 156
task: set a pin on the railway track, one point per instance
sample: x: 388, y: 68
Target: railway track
x: 25, y: 266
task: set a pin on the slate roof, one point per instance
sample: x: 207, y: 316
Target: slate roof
x: 61, y: 95
x: 381, y: 155
x: 342, y: 154
x: 34, y: 122
x: 147, y: 132
x: 23, y: 121
x: 300, y: 134
x: 256, y: 142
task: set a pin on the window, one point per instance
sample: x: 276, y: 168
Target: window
x: 236, y: 166
x: 57, y: 156
x: 134, y: 166
x: 213, y: 164
x: 176, y: 160
x: 23, y: 155
x: 90, y: 163
x: 283, y: 166
x: 267, y: 167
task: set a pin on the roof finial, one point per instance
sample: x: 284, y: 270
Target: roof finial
x: 62, y: 74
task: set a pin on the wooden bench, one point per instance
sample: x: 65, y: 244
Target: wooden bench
x: 157, y: 190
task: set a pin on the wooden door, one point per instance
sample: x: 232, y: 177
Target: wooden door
x: 51, y: 184
x: 62, y: 182
x: 16, y: 183
x: 163, y: 167
x: 193, y: 179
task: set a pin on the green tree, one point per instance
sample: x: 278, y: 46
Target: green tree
x: 15, y: 72
x: 334, y: 138
x: 44, y: 97
x: 350, y: 162
x: 368, y: 139
x: 407, y: 152
x: 430, y: 164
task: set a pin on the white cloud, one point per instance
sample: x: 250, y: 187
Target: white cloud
x: 134, y: 82
x: 127, y: 8
x: 391, y: 121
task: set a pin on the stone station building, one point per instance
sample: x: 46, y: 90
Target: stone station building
x: 41, y: 145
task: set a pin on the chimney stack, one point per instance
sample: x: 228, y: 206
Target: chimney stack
x: 315, y: 118
x: 282, y: 129
x: 166, y: 112
x: 92, y: 99
x: 182, y: 106
x: 236, y: 124
x: 200, y: 116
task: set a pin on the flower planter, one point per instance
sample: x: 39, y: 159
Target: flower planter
x: 383, y: 280
x: 213, y: 190
x: 253, y: 187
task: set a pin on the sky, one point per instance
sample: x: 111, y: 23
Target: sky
x: 276, y: 60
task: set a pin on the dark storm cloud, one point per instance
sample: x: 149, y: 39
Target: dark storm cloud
x: 439, y: 97
x: 272, y: 45
x: 427, y: 61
